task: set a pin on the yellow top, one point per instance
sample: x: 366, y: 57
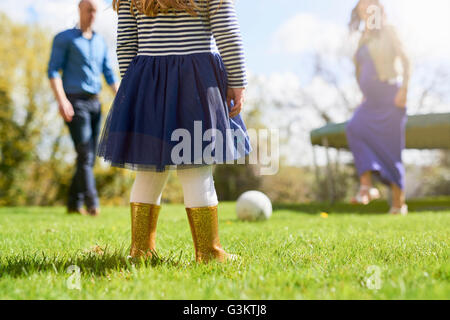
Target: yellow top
x: 386, y: 49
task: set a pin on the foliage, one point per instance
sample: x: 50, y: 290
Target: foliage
x: 232, y: 181
x: 35, y: 145
x: 429, y: 181
x: 37, y: 155
x: 20, y: 126
x: 290, y: 185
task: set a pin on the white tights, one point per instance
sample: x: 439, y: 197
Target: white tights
x: 198, y: 187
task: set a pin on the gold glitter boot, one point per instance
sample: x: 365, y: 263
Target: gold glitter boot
x: 144, y: 218
x: 205, y: 234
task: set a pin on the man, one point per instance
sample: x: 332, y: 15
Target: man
x: 82, y: 56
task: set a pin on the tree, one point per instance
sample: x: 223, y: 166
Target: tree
x: 20, y: 125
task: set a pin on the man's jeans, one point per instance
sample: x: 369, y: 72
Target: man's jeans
x: 84, y: 130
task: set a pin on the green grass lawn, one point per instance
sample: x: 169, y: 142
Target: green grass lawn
x: 295, y: 255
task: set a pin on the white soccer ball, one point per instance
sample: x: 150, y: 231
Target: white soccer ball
x: 253, y: 206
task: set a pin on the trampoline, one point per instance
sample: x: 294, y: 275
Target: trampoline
x: 423, y: 132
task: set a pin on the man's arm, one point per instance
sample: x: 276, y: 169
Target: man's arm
x: 64, y: 105
x: 56, y: 63
x: 114, y: 87
x: 58, y: 90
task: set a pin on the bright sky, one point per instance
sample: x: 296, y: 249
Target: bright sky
x: 260, y: 24
x: 275, y: 32
x: 423, y: 23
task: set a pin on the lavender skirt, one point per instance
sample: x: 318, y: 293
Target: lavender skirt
x: 376, y: 132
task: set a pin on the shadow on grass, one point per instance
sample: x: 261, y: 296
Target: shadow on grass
x: 376, y: 207
x: 88, y: 263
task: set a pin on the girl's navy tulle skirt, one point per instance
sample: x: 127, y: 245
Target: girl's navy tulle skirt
x: 171, y: 112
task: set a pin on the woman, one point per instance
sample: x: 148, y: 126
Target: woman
x: 175, y: 85
x: 376, y: 133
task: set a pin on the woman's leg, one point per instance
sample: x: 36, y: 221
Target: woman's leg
x: 145, y: 203
x: 366, y: 179
x: 367, y: 192
x: 365, y: 186
x: 398, y: 197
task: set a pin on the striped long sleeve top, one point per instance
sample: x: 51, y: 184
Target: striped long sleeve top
x: 180, y: 33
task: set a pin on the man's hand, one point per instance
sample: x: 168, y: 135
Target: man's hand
x: 64, y: 105
x: 66, y: 110
x: 114, y: 88
x: 237, y: 96
x: 401, y: 98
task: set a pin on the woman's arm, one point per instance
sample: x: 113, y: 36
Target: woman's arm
x: 127, y: 36
x: 401, y: 98
x: 401, y: 53
x: 355, y: 59
x: 357, y: 68
x: 226, y: 31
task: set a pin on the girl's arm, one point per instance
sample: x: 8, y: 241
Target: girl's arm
x: 127, y: 36
x: 226, y: 31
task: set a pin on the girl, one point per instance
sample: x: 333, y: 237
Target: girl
x: 178, y: 107
x: 376, y: 133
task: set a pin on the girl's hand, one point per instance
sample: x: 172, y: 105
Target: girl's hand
x: 66, y: 110
x: 237, y: 96
x: 401, y: 98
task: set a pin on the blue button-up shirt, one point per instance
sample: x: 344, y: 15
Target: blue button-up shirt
x: 82, y: 62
